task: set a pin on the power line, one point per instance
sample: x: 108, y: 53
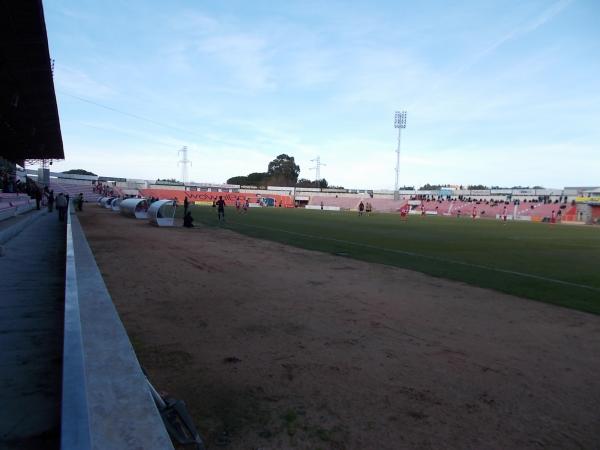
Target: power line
x: 144, y: 138
x: 136, y: 116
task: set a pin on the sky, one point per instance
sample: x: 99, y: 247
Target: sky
x: 501, y: 93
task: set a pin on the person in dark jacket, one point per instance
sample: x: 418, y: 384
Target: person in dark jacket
x: 50, y: 201
x: 188, y: 220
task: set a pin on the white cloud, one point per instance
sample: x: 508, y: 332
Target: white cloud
x: 244, y: 56
x: 242, y: 90
x: 78, y: 82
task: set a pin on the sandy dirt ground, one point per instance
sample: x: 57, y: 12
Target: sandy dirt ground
x: 274, y: 347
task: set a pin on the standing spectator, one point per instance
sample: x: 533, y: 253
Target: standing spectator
x: 50, y: 201
x: 221, y: 209
x: 80, y: 202
x: 186, y: 205
x: 361, y: 208
x: 38, y: 199
x: 61, y: 205
x: 5, y: 182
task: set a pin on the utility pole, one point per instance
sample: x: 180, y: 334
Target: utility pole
x: 317, y: 169
x: 184, y: 163
x: 400, y: 123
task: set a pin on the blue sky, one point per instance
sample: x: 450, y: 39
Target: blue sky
x: 497, y: 92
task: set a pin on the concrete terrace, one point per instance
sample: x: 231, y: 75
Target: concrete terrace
x: 31, y: 329
x: 69, y: 377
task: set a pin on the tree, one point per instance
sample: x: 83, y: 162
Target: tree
x: 303, y: 182
x: 477, y: 187
x: 79, y: 172
x: 257, y: 178
x: 241, y: 180
x: 431, y: 187
x: 284, y: 169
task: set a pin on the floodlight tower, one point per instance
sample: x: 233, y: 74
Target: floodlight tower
x: 317, y: 168
x: 184, y: 163
x: 400, y: 123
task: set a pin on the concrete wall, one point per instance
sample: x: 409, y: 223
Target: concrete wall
x: 121, y: 411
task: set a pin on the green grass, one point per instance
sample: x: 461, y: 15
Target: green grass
x: 482, y: 253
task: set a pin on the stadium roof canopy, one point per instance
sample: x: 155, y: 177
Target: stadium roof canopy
x: 29, y: 123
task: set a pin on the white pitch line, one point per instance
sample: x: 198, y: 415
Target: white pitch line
x: 433, y: 258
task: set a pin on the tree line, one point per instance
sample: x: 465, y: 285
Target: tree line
x: 282, y: 171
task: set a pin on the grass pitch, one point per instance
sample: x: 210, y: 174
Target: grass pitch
x: 557, y: 264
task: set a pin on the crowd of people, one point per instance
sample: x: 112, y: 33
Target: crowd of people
x: 44, y: 197
x: 61, y: 200
x: 492, y: 202
x: 103, y: 189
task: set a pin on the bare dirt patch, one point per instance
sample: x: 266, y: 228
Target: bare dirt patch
x: 276, y: 347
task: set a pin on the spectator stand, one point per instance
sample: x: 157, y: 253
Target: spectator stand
x: 13, y: 204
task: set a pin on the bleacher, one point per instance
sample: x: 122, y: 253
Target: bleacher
x: 207, y: 197
x: 340, y: 202
x: 73, y: 189
x: 387, y: 204
x: 14, y: 204
x: 537, y: 210
x: 379, y: 204
x: 533, y: 210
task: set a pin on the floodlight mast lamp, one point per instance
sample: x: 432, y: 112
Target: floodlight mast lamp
x: 400, y: 123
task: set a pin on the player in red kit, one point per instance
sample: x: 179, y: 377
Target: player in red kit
x: 403, y: 213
